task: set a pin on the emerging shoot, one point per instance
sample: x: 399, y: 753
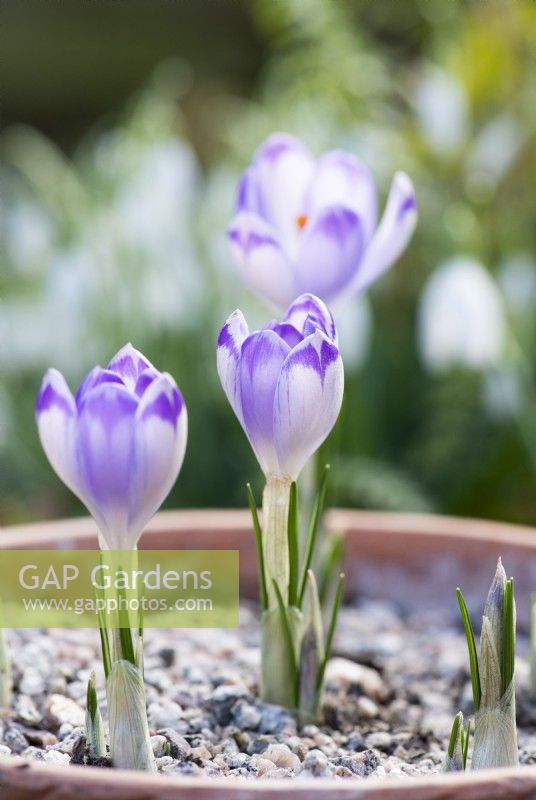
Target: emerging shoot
x: 492, y: 676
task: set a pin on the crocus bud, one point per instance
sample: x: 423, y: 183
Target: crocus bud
x: 307, y: 225
x: 284, y: 382
x: 118, y: 444
x: 495, y: 741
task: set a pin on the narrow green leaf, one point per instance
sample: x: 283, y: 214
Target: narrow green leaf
x: 330, y: 564
x: 465, y: 743
x: 287, y: 630
x: 105, y: 645
x: 91, y: 696
x: 312, y: 532
x: 331, y: 629
x: 509, y: 636
x: 471, y: 646
x: 258, y: 543
x: 454, y: 733
x: 293, y: 545
x: 127, y: 645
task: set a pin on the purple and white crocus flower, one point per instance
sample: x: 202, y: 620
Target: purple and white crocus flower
x: 311, y: 225
x: 118, y: 444
x: 284, y: 383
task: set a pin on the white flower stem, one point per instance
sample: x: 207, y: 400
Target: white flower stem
x: 278, y: 655
x: 275, y: 507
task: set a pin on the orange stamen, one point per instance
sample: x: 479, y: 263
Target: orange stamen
x: 301, y: 221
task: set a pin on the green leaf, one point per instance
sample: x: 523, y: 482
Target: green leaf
x: 258, y: 541
x: 93, y: 722
x: 289, y: 639
x: 454, y: 733
x: 471, y: 646
x: 330, y: 563
x: 465, y: 743
x: 312, y: 532
x: 293, y: 545
x: 331, y: 629
x: 509, y: 636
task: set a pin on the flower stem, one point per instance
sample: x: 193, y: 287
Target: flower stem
x: 275, y: 506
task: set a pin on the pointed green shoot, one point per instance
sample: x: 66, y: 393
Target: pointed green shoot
x: 289, y: 639
x: 331, y: 629
x: 258, y: 542
x: 471, y: 646
x: 94, y: 727
x: 312, y: 532
x: 293, y: 545
x: 509, y: 636
x: 311, y: 652
x: 455, y: 733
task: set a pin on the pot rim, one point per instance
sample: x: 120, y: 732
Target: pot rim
x: 96, y: 782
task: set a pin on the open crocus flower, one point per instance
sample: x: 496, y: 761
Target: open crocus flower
x: 119, y: 444
x: 284, y: 382
x: 306, y: 225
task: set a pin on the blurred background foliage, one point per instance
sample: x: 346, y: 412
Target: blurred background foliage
x: 127, y: 128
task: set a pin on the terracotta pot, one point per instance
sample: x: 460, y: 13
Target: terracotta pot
x: 416, y: 560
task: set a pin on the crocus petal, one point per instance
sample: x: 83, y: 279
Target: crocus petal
x: 161, y: 434
x: 276, y: 184
x: 258, y: 254
x: 129, y: 363
x: 287, y: 332
x: 56, y: 421
x: 106, y: 448
x: 341, y: 179
x: 392, y: 235
x: 307, y: 402
x: 263, y: 354
x: 230, y: 340
x: 145, y: 379
x: 308, y: 307
x: 330, y: 250
x: 94, y: 378
x: 248, y: 197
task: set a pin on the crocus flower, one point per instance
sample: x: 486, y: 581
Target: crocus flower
x: 306, y: 225
x: 118, y: 444
x: 284, y: 382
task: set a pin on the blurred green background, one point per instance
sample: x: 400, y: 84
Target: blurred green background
x: 126, y: 127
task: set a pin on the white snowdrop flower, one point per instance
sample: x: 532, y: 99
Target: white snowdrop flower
x: 461, y: 318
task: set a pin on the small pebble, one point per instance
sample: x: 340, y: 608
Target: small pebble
x: 60, y: 709
x: 282, y: 756
x: 159, y: 744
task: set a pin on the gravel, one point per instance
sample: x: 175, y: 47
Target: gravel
x: 392, y: 689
